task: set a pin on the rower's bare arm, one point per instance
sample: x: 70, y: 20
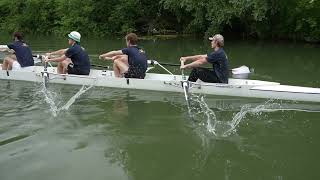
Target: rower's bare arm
x: 110, y: 54
x: 57, y: 53
x: 192, y: 58
x: 196, y: 63
x: 58, y: 59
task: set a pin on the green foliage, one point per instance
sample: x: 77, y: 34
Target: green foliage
x: 299, y: 19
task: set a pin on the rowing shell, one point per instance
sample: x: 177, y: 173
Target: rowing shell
x: 169, y: 83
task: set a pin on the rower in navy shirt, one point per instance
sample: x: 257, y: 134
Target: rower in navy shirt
x: 219, y: 62
x: 80, y: 60
x: 130, y: 62
x: 73, y: 60
x: 217, y: 58
x: 22, y: 54
x: 137, y: 61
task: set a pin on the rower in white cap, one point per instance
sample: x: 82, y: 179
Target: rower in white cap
x: 74, y: 60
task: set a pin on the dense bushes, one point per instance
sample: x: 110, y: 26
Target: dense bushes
x: 293, y: 19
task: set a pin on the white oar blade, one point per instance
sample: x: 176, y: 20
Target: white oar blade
x: 241, y: 70
x: 4, y: 47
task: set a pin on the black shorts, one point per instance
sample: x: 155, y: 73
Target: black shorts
x: 132, y: 74
x: 204, y: 75
x: 73, y: 70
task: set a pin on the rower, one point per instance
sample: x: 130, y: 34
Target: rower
x: 21, y: 54
x: 130, y: 62
x: 217, y: 58
x: 74, y: 60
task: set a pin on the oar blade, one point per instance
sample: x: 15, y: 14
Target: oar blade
x: 241, y: 70
x: 4, y: 47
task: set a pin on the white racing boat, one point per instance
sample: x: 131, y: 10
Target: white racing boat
x: 168, y: 83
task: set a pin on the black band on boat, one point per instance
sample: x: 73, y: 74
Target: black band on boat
x: 128, y: 81
x: 7, y: 73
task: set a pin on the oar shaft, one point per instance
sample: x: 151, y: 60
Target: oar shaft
x: 168, y: 64
x: 182, y: 70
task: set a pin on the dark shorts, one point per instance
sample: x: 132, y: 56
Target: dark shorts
x: 204, y: 75
x: 73, y: 70
x: 132, y: 74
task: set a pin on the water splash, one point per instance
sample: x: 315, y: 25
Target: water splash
x: 51, y: 98
x: 75, y: 97
x: 224, y: 127
x: 268, y: 106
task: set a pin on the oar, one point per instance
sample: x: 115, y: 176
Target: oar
x: 185, y: 86
x: 165, y: 64
x: 237, y: 71
x: 45, y: 73
x: 153, y: 62
x: 184, y: 82
x: 40, y: 57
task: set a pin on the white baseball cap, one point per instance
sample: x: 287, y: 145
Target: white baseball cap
x: 74, y: 35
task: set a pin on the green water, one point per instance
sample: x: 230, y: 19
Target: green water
x: 128, y: 134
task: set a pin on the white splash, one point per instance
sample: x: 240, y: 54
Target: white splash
x: 50, y: 97
x: 269, y: 106
x: 224, y: 128
x: 75, y: 97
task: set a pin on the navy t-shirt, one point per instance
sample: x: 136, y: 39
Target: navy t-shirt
x: 220, y: 64
x: 23, y: 53
x: 137, y: 59
x: 79, y: 58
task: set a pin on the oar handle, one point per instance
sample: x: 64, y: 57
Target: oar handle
x: 182, y: 70
x: 45, y: 65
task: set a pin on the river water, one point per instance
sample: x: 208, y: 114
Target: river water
x: 73, y: 132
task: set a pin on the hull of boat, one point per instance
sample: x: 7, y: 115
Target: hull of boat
x: 170, y: 83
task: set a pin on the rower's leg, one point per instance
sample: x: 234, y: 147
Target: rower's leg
x: 5, y: 64
x: 123, y: 58
x: 8, y: 61
x: 63, y: 66
x: 194, y: 75
x: 120, y: 65
x: 60, y: 68
x: 207, y: 75
x: 204, y: 75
